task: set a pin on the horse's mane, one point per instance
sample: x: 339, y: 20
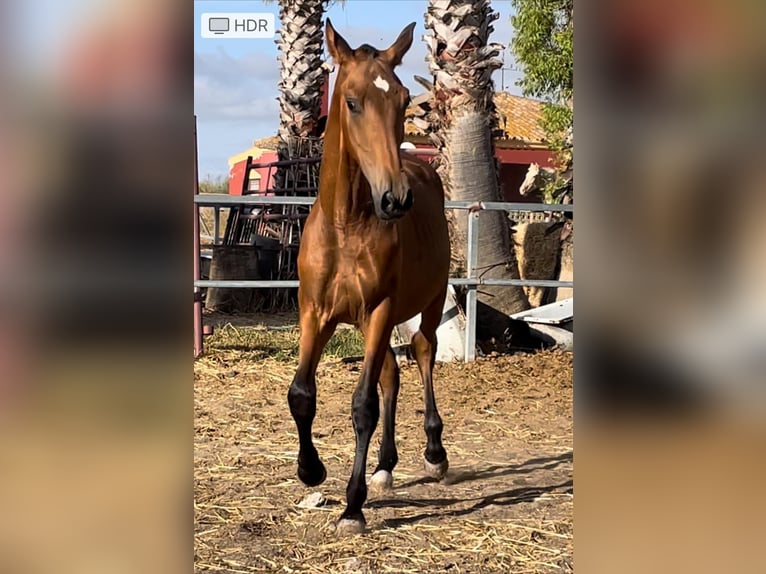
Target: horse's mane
x: 368, y: 50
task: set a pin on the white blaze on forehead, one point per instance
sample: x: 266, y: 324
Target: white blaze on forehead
x: 381, y: 83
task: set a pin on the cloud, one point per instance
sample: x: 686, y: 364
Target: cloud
x: 218, y: 141
x: 235, y: 100
x: 221, y: 65
x: 235, y: 89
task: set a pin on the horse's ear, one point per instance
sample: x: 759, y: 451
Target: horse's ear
x: 336, y: 45
x: 398, y: 49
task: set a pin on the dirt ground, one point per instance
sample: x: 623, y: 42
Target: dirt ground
x: 505, y: 505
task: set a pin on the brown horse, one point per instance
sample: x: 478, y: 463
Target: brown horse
x: 375, y: 252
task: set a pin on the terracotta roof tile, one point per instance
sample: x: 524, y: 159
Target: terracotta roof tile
x: 519, y: 119
x: 522, y: 117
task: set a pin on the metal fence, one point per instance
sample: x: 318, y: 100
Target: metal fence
x: 472, y: 282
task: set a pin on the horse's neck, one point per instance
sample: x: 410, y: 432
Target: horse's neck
x: 344, y: 193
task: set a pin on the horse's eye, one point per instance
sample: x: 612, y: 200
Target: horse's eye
x: 353, y: 106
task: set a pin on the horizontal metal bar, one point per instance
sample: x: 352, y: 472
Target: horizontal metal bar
x: 257, y: 284
x: 213, y: 199
x: 509, y: 206
x: 421, y: 151
x: 510, y: 282
x: 287, y: 162
x: 220, y: 199
x: 283, y: 191
x: 246, y: 284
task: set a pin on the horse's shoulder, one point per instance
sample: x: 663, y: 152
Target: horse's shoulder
x: 421, y: 170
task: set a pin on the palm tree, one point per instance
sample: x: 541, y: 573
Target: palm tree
x: 301, y: 47
x: 463, y: 122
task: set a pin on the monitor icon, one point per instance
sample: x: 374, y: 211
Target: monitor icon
x: 218, y: 25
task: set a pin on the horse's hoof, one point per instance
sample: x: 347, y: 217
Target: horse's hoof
x: 437, y: 471
x: 314, y: 476
x: 349, y: 526
x: 381, y: 482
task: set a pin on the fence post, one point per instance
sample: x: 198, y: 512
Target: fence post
x: 197, y: 291
x: 216, y: 224
x: 472, y: 258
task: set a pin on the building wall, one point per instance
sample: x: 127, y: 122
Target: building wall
x: 267, y: 175
x: 237, y: 172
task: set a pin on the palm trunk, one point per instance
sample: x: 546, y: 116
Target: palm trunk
x: 471, y: 169
x: 463, y: 119
x: 301, y: 49
x: 301, y: 43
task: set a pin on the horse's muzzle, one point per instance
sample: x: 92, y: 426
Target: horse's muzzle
x: 391, y: 207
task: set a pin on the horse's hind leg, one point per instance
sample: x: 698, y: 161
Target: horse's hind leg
x: 382, y: 478
x: 424, y: 349
x: 302, y: 395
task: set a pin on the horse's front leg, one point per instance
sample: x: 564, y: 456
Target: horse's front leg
x: 365, y: 412
x: 302, y: 396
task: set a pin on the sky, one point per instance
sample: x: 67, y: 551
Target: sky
x: 236, y: 80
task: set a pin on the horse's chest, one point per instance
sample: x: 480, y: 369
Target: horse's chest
x: 362, y: 273
x: 360, y: 280
x: 348, y: 274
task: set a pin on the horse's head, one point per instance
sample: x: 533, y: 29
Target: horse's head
x: 372, y: 104
x: 531, y: 181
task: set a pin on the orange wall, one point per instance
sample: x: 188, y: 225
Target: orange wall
x: 237, y: 173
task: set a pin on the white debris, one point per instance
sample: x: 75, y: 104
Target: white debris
x: 313, y: 500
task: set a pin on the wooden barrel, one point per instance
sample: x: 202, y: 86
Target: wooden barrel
x: 233, y: 262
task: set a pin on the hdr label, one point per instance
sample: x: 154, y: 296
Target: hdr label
x: 238, y: 25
